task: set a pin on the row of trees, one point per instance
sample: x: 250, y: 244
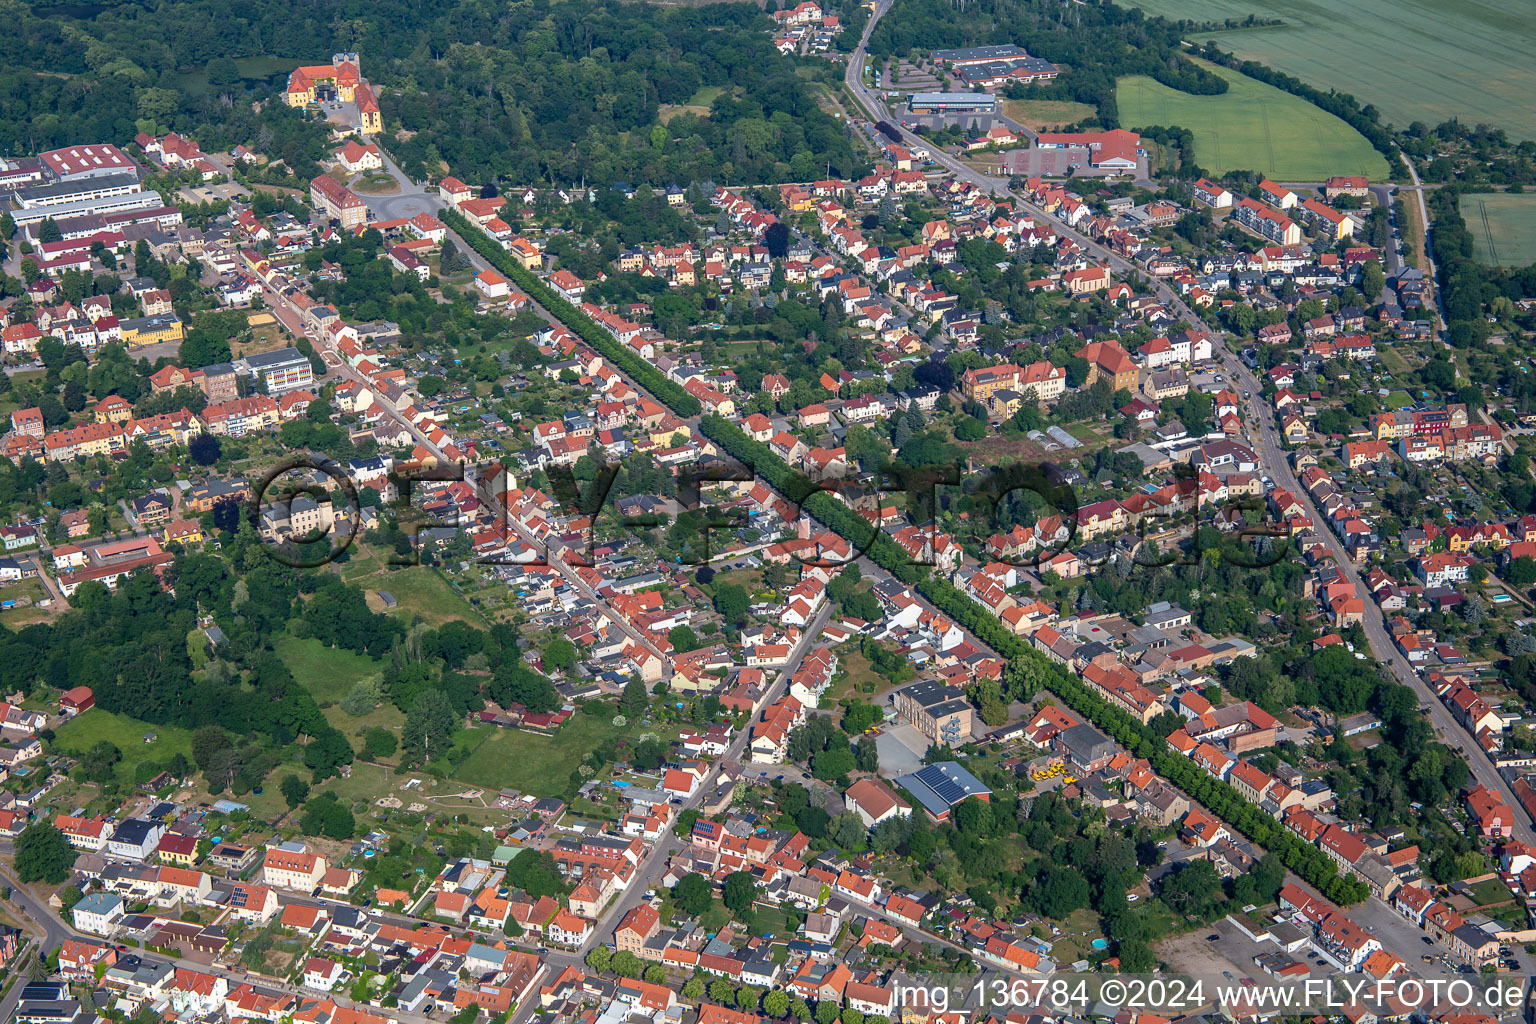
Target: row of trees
x: 643, y: 373
x: 1029, y: 671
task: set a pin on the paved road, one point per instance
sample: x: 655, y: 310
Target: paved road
x: 1429, y: 261
x: 42, y: 921
x: 1272, y: 454
x: 339, y: 367
x: 1383, y: 195
x: 1267, y: 445
x: 45, y: 923
x: 408, y: 202
x: 557, y: 560
x: 651, y: 868
x: 61, y: 603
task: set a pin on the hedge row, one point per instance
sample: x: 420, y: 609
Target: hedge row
x: 1027, y: 665
x: 669, y: 392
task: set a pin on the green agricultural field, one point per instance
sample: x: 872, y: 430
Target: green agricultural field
x: 1253, y: 126
x: 1503, y: 226
x: 325, y: 672
x: 1429, y: 60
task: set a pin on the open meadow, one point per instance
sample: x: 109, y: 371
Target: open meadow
x: 1421, y: 60
x: 1252, y: 126
x: 527, y: 761
x: 131, y: 736
x: 326, y: 672
x: 253, y: 70
x: 1046, y: 114
x: 1503, y: 227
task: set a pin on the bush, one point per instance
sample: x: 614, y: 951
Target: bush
x: 362, y: 698
x: 380, y: 742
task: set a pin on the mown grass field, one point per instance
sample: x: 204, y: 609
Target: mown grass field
x: 1428, y: 60
x: 1253, y: 126
x: 1503, y: 227
x: 418, y: 590
x: 542, y: 765
x: 252, y: 70
x: 698, y: 104
x: 526, y: 761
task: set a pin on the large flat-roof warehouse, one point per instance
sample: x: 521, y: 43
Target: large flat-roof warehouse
x: 941, y: 102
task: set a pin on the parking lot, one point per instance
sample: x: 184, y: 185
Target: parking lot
x: 901, y: 749
x: 1050, y: 772
x: 1233, y: 953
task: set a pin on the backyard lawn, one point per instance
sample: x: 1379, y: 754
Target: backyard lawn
x: 30, y: 592
x: 855, y: 672
x: 1490, y: 891
x: 1252, y: 126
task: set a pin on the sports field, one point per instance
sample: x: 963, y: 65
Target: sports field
x: 1252, y: 127
x: 1503, y: 227
x: 1416, y: 60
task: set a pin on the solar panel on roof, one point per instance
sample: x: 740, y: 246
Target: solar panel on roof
x: 938, y: 780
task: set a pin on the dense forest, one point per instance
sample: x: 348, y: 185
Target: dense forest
x: 558, y: 92
x: 531, y: 91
